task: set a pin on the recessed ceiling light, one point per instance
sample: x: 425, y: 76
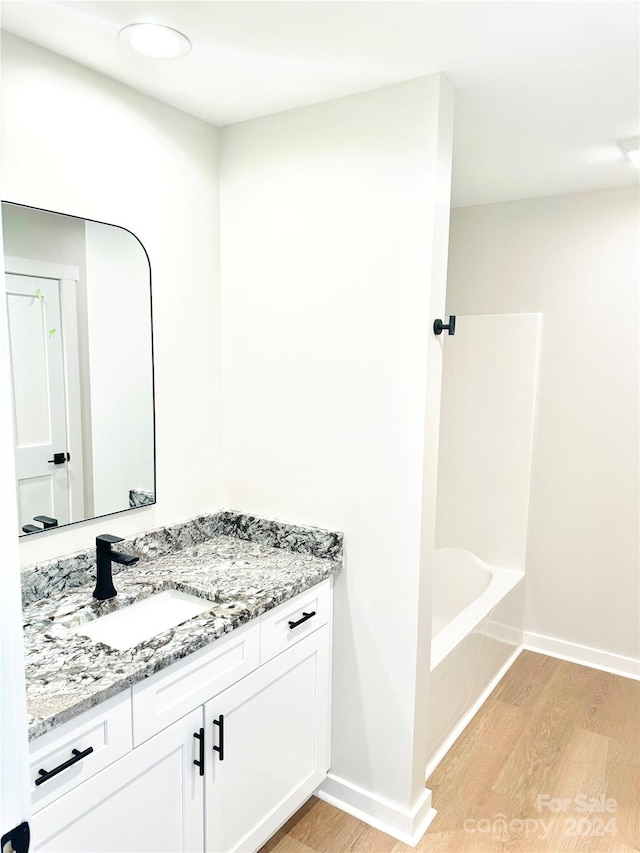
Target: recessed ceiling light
x: 631, y: 149
x: 155, y: 40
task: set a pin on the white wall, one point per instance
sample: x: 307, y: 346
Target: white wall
x: 120, y: 366
x: 333, y: 242
x: 486, y: 436
x: 573, y: 258
x: 80, y: 143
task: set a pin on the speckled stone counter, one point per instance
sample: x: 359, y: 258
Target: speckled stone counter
x: 246, y: 567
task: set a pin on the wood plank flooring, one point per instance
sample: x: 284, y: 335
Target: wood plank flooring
x: 550, y: 763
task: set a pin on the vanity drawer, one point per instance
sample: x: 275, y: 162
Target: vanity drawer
x: 276, y: 632
x: 163, y: 698
x: 104, y: 730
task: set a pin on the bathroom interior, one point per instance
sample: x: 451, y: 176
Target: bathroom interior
x: 334, y: 331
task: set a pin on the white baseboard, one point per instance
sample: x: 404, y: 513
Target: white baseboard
x: 464, y: 721
x: 574, y: 653
x: 406, y: 826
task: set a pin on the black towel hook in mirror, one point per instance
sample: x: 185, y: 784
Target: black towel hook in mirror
x: 439, y: 327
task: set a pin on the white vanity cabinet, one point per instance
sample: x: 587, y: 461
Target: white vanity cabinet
x: 259, y: 701
x: 149, y: 801
x: 270, y: 747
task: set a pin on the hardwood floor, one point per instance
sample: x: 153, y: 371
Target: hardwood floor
x: 550, y: 763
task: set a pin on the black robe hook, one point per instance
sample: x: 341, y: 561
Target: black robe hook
x: 439, y: 326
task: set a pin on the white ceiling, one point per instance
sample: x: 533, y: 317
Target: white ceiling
x: 544, y: 90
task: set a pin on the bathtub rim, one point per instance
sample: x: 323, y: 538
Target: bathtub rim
x: 502, y: 582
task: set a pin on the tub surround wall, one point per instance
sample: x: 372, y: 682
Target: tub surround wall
x: 574, y: 258
x: 489, y: 384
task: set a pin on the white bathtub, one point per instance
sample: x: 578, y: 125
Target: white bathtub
x: 477, y: 626
x: 465, y: 589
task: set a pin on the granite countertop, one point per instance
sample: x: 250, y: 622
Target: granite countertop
x: 68, y: 673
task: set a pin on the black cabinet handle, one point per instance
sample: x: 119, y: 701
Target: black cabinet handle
x: 200, y: 762
x: 305, y: 616
x: 44, y: 775
x: 220, y: 748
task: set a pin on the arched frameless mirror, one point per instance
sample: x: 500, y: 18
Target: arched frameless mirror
x: 80, y: 331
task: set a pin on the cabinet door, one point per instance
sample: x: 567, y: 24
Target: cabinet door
x: 149, y: 801
x: 273, y: 727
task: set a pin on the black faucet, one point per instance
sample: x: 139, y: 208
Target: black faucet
x: 104, y: 557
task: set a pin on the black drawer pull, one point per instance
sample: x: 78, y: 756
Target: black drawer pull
x: 220, y: 748
x: 305, y: 616
x: 200, y: 762
x: 44, y: 775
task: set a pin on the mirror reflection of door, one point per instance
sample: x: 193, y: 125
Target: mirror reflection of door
x: 79, y: 300
x: 44, y: 395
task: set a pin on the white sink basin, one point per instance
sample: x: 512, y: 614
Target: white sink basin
x: 143, y: 620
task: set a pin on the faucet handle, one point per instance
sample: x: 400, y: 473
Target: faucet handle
x: 108, y: 539
x: 46, y: 520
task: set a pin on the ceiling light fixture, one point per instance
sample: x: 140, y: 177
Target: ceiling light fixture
x: 155, y: 40
x: 631, y: 149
